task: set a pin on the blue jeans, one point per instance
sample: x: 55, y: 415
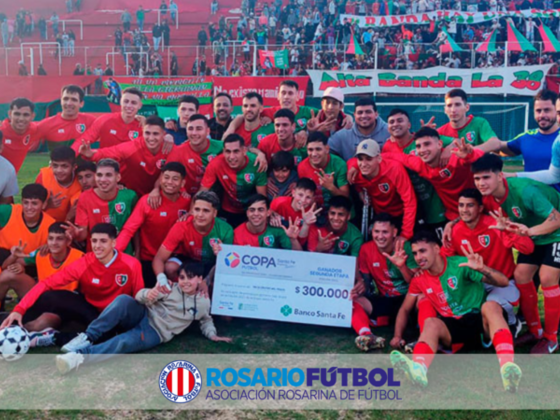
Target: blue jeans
x: 157, y: 41
x: 129, y: 315
x: 141, y: 24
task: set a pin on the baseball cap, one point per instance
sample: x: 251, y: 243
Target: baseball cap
x: 335, y: 93
x: 368, y: 147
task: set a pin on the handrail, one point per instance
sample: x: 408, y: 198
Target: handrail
x: 40, y: 45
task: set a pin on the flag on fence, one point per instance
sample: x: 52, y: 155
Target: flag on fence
x: 551, y: 43
x: 516, y: 41
x: 449, y: 45
x: 489, y: 45
x: 354, y: 46
x: 274, y: 59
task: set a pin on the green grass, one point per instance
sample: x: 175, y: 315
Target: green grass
x: 263, y: 337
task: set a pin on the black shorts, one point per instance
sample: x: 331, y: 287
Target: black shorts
x: 465, y: 330
x: 148, y: 274
x: 234, y: 219
x: 385, y: 309
x: 69, y: 306
x: 542, y: 255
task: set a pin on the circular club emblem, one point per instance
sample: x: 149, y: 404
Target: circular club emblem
x: 180, y: 381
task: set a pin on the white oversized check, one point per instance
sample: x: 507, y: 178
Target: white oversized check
x: 279, y: 285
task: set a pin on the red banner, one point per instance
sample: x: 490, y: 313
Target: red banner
x: 267, y: 87
x: 39, y: 88
x: 553, y: 83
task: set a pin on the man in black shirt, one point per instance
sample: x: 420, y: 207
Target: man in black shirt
x: 223, y: 106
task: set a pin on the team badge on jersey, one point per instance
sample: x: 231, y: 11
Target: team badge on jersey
x: 120, y: 207
x: 445, y: 173
x: 121, y: 279
x: 214, y: 241
x: 80, y: 128
x: 343, y: 245
x: 470, y: 136
x: 517, y: 212
x: 384, y: 188
x: 182, y: 212
x: 484, y: 240
x: 302, y: 122
x: 160, y: 163
x: 133, y: 135
x: 268, y: 240
x: 297, y: 160
x: 249, y: 177
x: 260, y: 137
x: 26, y: 140
x: 211, y: 158
x: 452, y: 282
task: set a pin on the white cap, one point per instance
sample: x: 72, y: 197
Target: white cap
x: 368, y: 147
x: 335, y: 93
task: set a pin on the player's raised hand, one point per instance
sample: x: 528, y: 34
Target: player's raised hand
x: 18, y: 250
x: 399, y: 256
x: 55, y: 200
x: 518, y: 228
x: 216, y: 246
x: 309, y: 217
x: 462, y: 148
x: 292, y: 231
x: 501, y: 220
x: 85, y: 149
x: 301, y: 139
x: 275, y: 219
x: 171, y: 125
x: 13, y: 317
x: 153, y: 294
x: 430, y: 123
x: 474, y: 261
x: 261, y: 162
x: 168, y: 144
x: 73, y: 230
x: 141, y: 119
x: 326, y: 242
x: 325, y: 180
x: 348, y: 122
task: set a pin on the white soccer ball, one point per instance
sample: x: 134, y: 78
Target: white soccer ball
x: 14, y: 343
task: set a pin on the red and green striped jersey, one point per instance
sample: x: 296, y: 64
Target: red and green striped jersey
x: 530, y: 203
x: 455, y: 292
x: 239, y: 184
x: 196, y: 246
x: 92, y: 210
x: 349, y: 243
x: 270, y: 146
x: 270, y: 237
x: 385, y: 275
x: 194, y: 162
x: 430, y: 207
x: 110, y: 130
x: 303, y: 114
x: 58, y: 131
x: 334, y: 165
x: 476, y: 131
x: 261, y: 133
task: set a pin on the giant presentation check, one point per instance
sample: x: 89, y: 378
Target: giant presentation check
x: 279, y: 285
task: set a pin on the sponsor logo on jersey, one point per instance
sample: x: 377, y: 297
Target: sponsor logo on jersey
x: 517, y: 212
x: 163, y: 213
x: 190, y: 161
x: 95, y: 281
x: 445, y: 173
x: 96, y: 211
x: 343, y: 245
x: 80, y: 128
x: 142, y: 163
x: 268, y: 240
x: 133, y: 135
x: 60, y: 130
x: 120, y: 207
x: 180, y: 382
x: 121, y: 279
x: 26, y: 140
x: 384, y: 188
x: 8, y: 141
x: 225, y: 177
x: 452, y: 282
x: 376, y: 264
x: 470, y: 136
x: 112, y: 131
x: 249, y: 177
x: 484, y: 240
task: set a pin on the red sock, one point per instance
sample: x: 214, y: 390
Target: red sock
x: 551, y: 312
x: 360, y: 320
x: 529, y: 307
x: 423, y: 354
x: 503, y: 343
x: 425, y: 311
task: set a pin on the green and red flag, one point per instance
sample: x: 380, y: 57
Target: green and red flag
x: 354, y: 46
x: 551, y: 43
x: 449, y: 45
x: 274, y: 59
x: 516, y: 41
x: 489, y: 45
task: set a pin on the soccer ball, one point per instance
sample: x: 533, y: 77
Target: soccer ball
x: 14, y: 343
x: 232, y: 259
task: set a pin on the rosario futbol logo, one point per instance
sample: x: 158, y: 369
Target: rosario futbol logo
x: 80, y: 128
x: 343, y: 245
x: 180, y: 381
x: 484, y: 240
x: 249, y: 177
x: 384, y: 188
x: 470, y: 136
x: 133, y: 135
x: 452, y: 282
x: 26, y: 140
x: 268, y: 240
x: 121, y: 279
x: 445, y: 173
x: 120, y: 208
x: 517, y: 212
x: 232, y: 259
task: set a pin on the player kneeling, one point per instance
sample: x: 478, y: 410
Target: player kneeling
x: 154, y: 317
x: 454, y: 287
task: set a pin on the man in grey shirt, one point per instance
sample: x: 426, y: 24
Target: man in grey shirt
x: 8, y: 180
x: 367, y: 125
